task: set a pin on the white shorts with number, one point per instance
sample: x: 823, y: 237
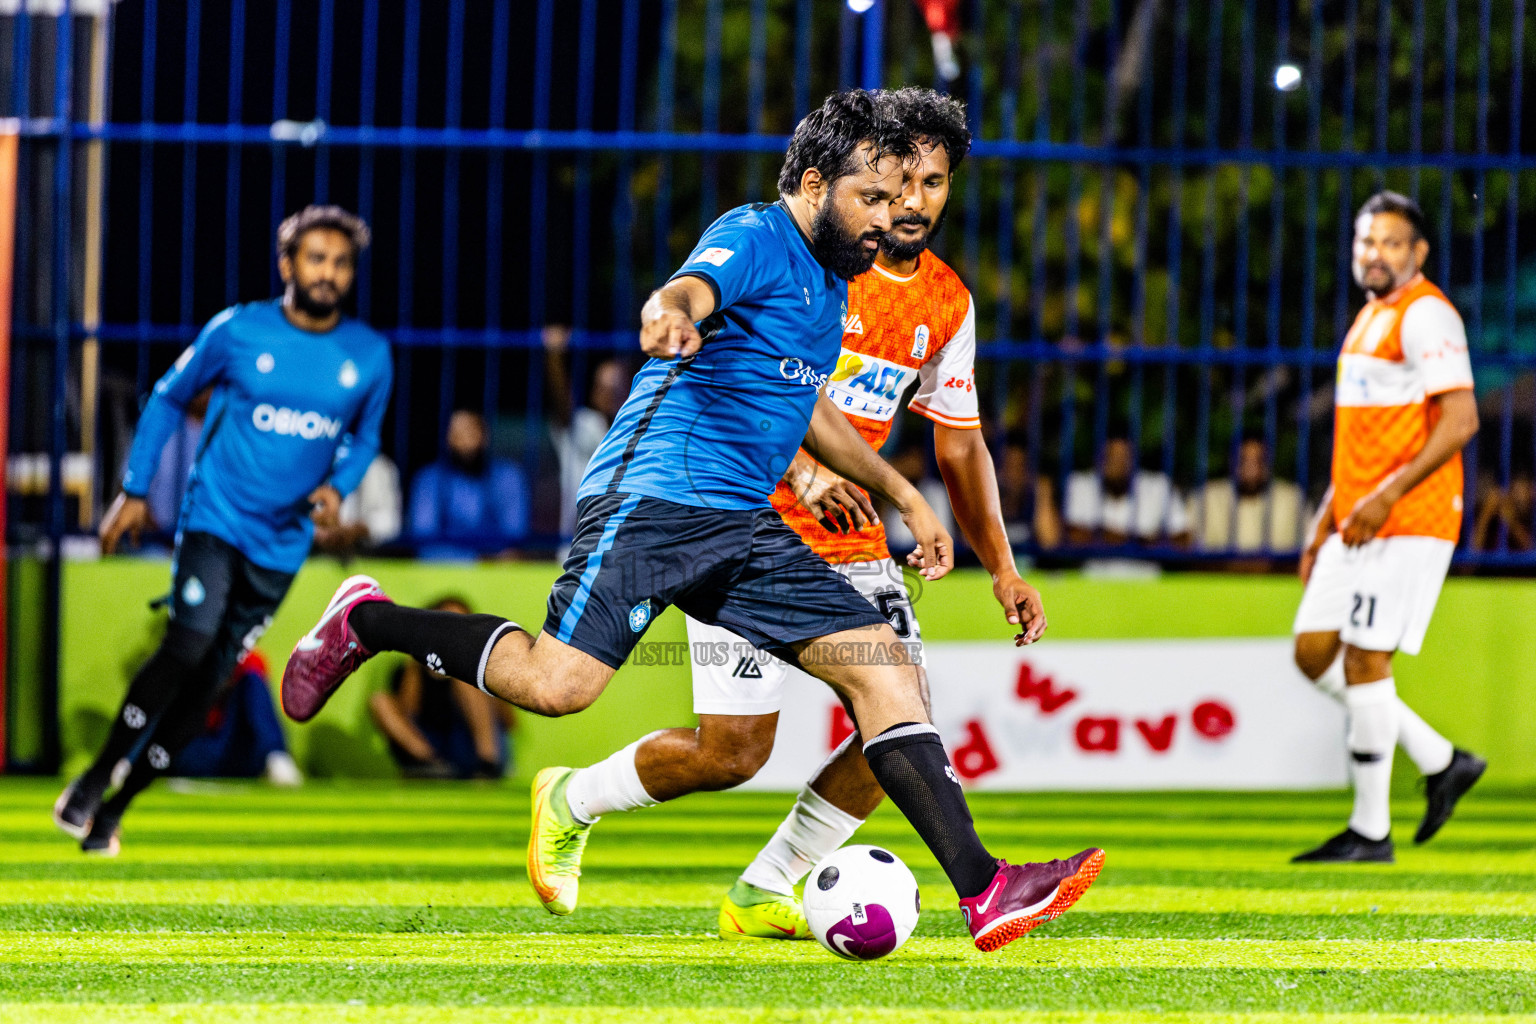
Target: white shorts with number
x: 1379, y: 596
x: 731, y: 677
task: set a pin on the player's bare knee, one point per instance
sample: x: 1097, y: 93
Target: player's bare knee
x: 556, y: 698
x: 1362, y: 666
x: 1315, y: 652
x: 886, y: 680
x: 735, y: 748
x: 733, y: 769
x: 728, y: 767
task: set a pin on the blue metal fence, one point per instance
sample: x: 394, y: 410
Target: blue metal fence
x: 1157, y: 234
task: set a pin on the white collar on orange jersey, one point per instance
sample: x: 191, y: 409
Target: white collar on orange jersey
x: 896, y: 277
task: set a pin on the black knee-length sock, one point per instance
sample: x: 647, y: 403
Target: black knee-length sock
x: 181, y: 723
x: 911, y: 766
x: 447, y: 642
x: 173, y: 667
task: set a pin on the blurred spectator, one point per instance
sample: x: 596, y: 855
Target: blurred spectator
x: 1029, y: 500
x: 442, y: 728
x: 169, y: 484
x: 576, y: 432
x: 1122, y: 504
x: 243, y: 738
x: 369, y: 516
x: 1510, y: 506
x: 1252, y: 511
x: 468, y: 502
x: 911, y: 461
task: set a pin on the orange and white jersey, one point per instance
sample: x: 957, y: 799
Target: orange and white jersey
x: 900, y: 330
x: 1403, y: 349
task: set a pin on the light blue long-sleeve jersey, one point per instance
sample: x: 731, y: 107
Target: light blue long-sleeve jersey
x: 291, y: 410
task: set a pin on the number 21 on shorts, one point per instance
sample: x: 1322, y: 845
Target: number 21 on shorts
x: 1367, y: 604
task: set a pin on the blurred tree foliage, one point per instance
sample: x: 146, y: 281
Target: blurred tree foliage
x: 1160, y: 189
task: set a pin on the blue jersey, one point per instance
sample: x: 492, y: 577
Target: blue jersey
x: 291, y: 409
x: 718, y: 429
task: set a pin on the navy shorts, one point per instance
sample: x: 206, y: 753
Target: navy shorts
x: 742, y: 569
x: 218, y: 592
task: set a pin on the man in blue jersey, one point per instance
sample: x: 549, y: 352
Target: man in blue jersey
x: 674, y: 510
x: 299, y: 394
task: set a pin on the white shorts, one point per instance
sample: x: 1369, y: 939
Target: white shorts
x: 731, y: 677
x: 1377, y: 597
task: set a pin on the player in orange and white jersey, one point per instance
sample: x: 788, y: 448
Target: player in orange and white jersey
x: 910, y: 322
x: 1384, y: 536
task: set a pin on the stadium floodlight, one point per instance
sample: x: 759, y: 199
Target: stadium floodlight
x: 1287, y: 77
x: 860, y: 6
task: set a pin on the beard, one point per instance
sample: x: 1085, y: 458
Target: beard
x: 839, y: 250
x: 319, y: 306
x: 1377, y: 279
x: 902, y: 251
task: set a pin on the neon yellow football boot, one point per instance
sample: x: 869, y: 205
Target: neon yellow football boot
x: 752, y: 913
x: 555, y: 843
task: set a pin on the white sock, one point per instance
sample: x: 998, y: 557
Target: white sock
x: 813, y: 830
x: 1429, y: 750
x: 1373, y: 718
x: 613, y: 784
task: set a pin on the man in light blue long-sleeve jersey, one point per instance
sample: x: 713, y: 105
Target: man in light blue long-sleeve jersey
x: 299, y: 394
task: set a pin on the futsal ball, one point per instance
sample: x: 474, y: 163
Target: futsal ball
x: 861, y: 902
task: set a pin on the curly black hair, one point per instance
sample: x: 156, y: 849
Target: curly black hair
x: 315, y: 217
x: 829, y: 139
x: 930, y: 115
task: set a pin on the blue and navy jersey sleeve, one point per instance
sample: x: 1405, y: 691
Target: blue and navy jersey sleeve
x: 203, y: 363
x: 736, y: 258
x: 361, y: 444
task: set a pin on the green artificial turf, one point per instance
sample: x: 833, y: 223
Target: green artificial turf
x: 405, y: 904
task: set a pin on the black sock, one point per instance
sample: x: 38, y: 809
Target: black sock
x: 911, y: 766
x: 153, y: 690
x: 179, y: 725
x: 113, y: 810
x: 447, y: 642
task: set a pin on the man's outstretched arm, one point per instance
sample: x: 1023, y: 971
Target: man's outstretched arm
x: 668, y: 317
x: 201, y: 364
x: 838, y: 445
x: 966, y: 466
